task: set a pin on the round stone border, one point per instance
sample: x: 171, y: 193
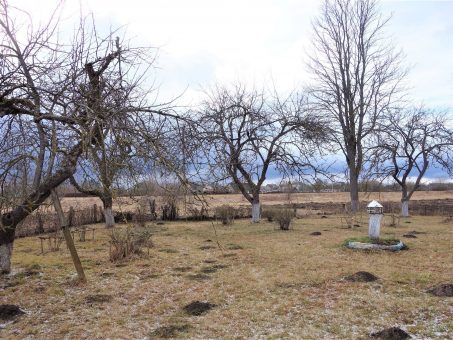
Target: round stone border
x: 373, y: 246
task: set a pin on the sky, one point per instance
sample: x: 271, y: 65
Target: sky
x: 264, y: 43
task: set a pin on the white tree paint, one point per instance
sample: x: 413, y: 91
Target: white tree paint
x: 256, y: 213
x: 374, y: 227
x: 405, y: 208
x: 5, y: 257
x: 109, y: 219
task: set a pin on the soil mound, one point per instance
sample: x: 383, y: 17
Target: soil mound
x: 315, y: 233
x: 198, y: 308
x: 170, y: 332
x: 9, y: 312
x: 98, y: 298
x: 442, y: 290
x: 198, y: 277
x: 206, y: 247
x: 393, y: 333
x: 361, y: 277
x: 182, y: 269
x: 415, y: 232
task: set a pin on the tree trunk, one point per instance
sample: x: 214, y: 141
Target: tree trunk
x: 354, y: 191
x: 256, y: 211
x: 6, y: 251
x: 12, y: 218
x: 405, y: 207
x: 108, y: 213
x: 68, y: 237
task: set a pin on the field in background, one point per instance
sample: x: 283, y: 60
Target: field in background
x: 127, y: 203
x: 264, y: 283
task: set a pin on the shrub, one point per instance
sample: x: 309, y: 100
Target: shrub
x: 283, y: 217
x: 195, y: 214
x: 226, y: 214
x: 268, y: 214
x: 126, y: 242
x: 169, y: 211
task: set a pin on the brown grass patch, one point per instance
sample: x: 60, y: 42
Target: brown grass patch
x: 280, y: 285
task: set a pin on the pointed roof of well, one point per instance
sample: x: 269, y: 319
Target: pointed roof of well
x: 374, y: 204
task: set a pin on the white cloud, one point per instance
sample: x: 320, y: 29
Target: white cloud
x: 204, y: 41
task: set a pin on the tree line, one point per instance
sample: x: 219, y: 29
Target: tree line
x: 85, y: 111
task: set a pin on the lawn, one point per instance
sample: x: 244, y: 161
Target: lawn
x: 263, y: 283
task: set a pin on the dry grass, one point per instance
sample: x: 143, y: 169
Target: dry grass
x: 270, y: 284
x: 129, y: 204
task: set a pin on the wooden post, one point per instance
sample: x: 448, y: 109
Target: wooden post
x: 95, y: 213
x: 68, y: 237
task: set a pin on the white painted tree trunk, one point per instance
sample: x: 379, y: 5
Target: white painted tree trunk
x: 374, y: 227
x: 109, y: 219
x: 5, y: 257
x: 405, y: 208
x: 256, y: 213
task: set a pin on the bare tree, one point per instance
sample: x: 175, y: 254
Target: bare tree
x: 357, y: 75
x: 410, y: 142
x: 242, y: 134
x: 118, y: 91
x: 50, y: 112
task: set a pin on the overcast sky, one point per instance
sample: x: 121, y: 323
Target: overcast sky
x: 264, y: 42
x: 202, y: 42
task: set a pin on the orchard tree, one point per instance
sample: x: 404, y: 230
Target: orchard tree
x: 243, y: 133
x: 52, y: 110
x: 118, y: 94
x: 409, y: 142
x: 357, y: 76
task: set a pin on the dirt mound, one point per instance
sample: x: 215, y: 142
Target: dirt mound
x: 9, y: 312
x: 98, y: 298
x: 229, y: 255
x: 415, y: 232
x: 206, y: 247
x: 198, y: 277
x: 212, y: 269
x: 233, y: 246
x: 315, y: 233
x: 170, y: 332
x: 445, y: 289
x: 409, y: 236
x: 361, y: 277
x: 392, y: 333
x: 198, y: 308
x: 182, y: 269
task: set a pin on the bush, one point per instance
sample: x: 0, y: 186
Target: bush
x: 282, y: 216
x: 226, y: 214
x: 169, y: 211
x: 127, y: 242
x: 268, y: 214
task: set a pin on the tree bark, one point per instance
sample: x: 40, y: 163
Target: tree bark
x: 108, y: 212
x: 256, y: 210
x: 6, y: 251
x: 68, y: 237
x: 405, y: 207
x: 354, y: 191
x: 12, y: 218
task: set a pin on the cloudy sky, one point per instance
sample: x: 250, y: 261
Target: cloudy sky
x: 264, y: 42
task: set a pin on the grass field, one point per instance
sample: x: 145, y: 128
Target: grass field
x: 264, y: 283
x: 126, y: 203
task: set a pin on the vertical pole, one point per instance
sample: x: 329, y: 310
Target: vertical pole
x: 68, y: 237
